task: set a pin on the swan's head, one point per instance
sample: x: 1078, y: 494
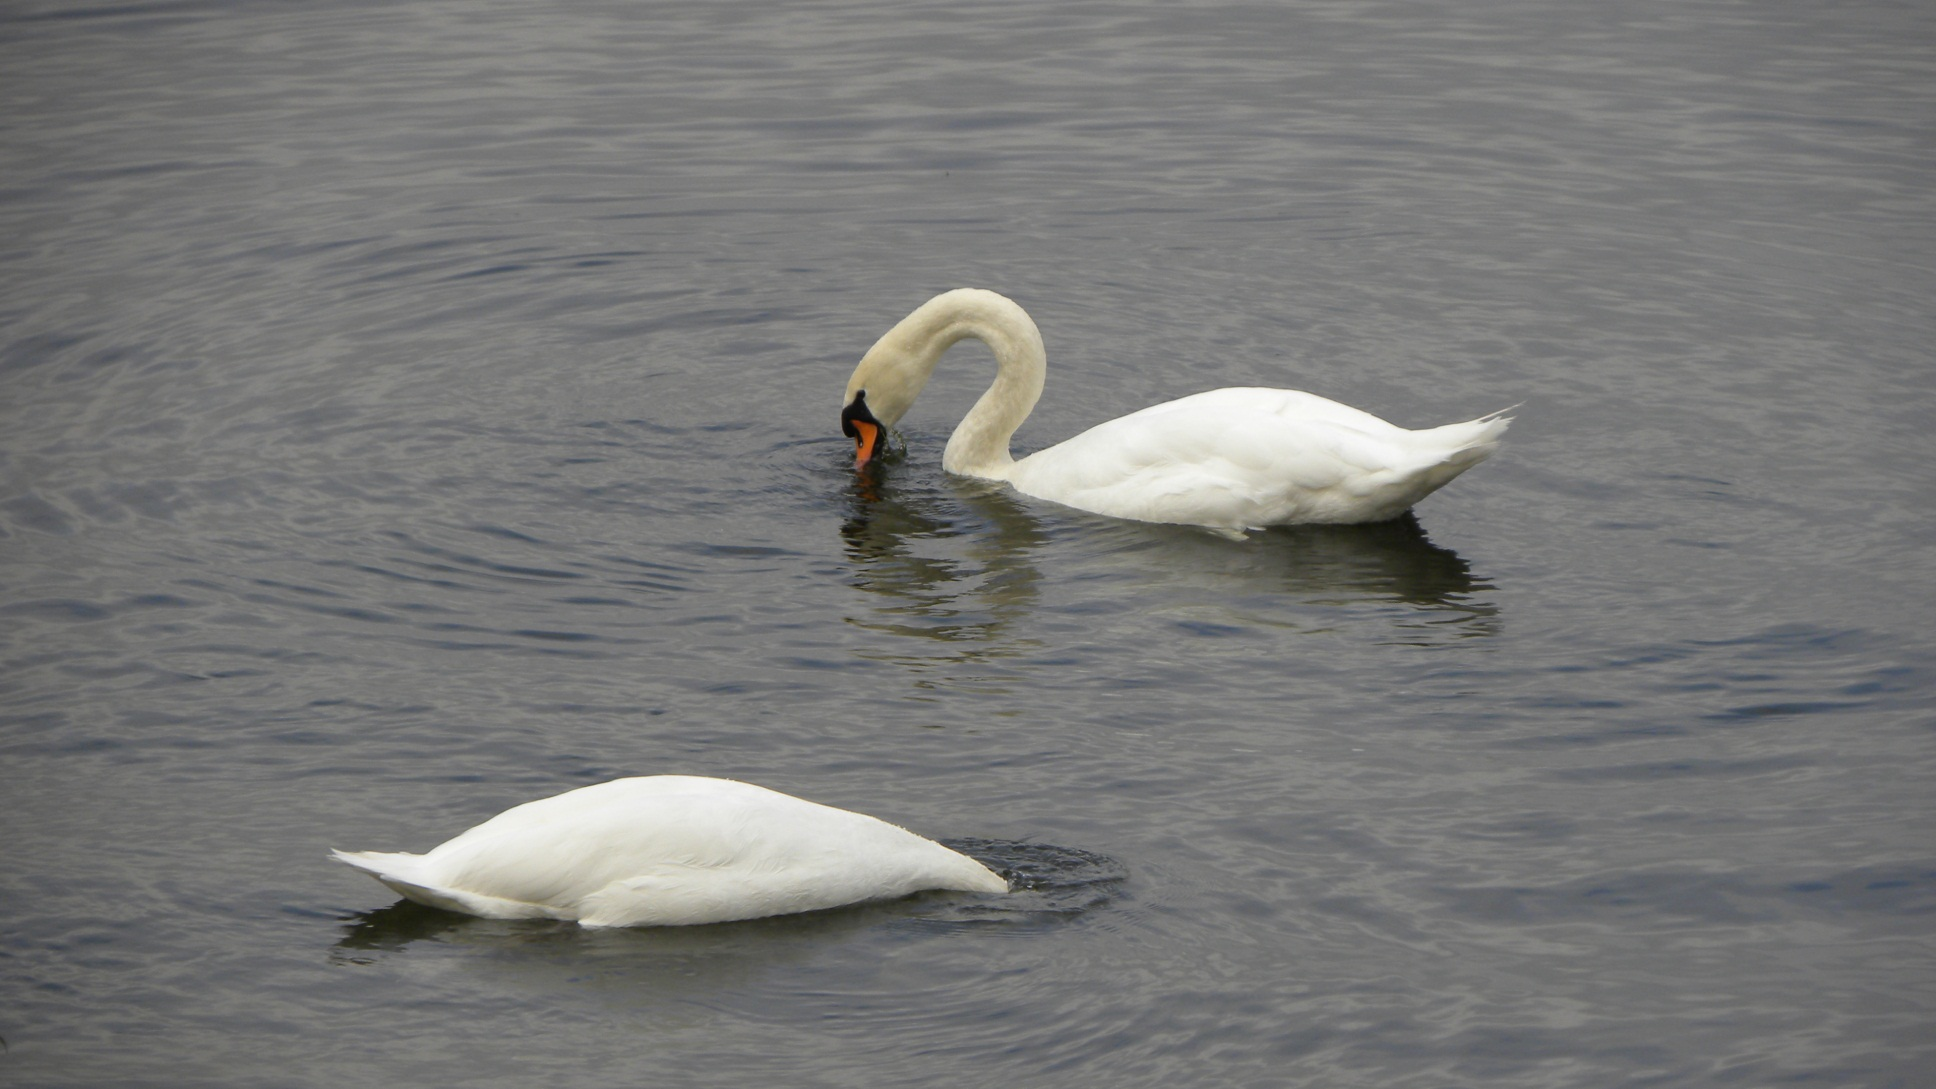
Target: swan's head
x: 859, y: 423
x: 882, y: 389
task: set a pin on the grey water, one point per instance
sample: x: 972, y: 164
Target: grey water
x: 412, y: 409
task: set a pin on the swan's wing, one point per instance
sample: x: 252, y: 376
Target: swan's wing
x: 1288, y: 405
x: 1228, y: 458
x: 877, y: 864
x: 673, y: 895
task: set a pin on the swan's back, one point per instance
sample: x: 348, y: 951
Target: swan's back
x: 1247, y: 457
x: 672, y: 850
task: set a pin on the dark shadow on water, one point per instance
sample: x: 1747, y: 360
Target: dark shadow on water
x: 1392, y: 557
x: 387, y: 930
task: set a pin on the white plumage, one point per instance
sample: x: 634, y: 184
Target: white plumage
x: 1229, y: 460
x: 672, y: 850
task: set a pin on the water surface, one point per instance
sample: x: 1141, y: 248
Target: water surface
x: 409, y: 410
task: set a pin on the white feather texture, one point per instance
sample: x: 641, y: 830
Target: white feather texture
x: 1229, y: 460
x: 672, y: 850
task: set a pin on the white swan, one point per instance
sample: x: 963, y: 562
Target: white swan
x: 672, y: 850
x: 1229, y: 460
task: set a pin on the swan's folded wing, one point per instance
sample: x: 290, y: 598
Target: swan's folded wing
x: 1201, y: 462
x: 670, y: 894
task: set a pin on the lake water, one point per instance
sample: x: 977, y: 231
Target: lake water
x: 413, y: 409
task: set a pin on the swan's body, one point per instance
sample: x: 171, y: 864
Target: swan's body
x: 672, y: 850
x: 1229, y: 459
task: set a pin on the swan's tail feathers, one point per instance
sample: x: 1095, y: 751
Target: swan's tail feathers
x: 402, y: 872
x: 379, y: 864
x: 1463, y: 445
x: 1499, y: 418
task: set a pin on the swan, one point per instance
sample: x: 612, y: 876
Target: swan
x: 671, y: 850
x: 1228, y: 460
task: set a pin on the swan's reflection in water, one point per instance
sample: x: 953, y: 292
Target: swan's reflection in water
x: 1391, y: 561
x: 951, y: 560
x: 959, y: 561
x: 1387, y: 581
x: 371, y: 935
x: 675, y: 975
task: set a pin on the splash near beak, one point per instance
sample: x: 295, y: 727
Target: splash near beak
x: 857, y: 422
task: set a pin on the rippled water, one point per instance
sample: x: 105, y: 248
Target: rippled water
x: 409, y: 410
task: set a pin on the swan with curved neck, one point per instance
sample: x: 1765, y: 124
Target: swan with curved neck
x: 1229, y: 460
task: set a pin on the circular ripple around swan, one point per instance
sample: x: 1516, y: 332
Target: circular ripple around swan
x: 1043, y: 879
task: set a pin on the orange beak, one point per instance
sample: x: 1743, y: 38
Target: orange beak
x: 859, y: 424
x: 867, y: 442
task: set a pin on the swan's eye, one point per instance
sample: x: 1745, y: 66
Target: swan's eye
x: 856, y: 412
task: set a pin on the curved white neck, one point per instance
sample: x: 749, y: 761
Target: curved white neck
x: 894, y: 371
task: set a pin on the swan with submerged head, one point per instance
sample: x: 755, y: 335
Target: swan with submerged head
x: 1228, y: 460
x: 672, y: 850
